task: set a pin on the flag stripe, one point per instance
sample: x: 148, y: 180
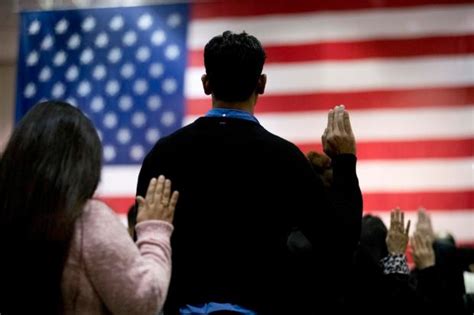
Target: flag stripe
x: 375, y: 176
x: 341, y: 26
x: 397, y: 48
x: 420, y: 149
x: 354, y: 100
x: 416, y: 175
x: 119, y: 204
x: 236, y: 8
x: 409, y: 201
x: 375, y: 125
x: 376, y: 74
x: 374, y: 202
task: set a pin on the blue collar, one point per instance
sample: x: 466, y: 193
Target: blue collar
x: 231, y: 113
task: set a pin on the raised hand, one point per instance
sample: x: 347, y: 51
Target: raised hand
x: 397, y: 236
x: 338, y: 137
x: 158, y: 203
x: 424, y: 226
x: 422, y: 251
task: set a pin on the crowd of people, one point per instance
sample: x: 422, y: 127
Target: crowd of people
x: 256, y: 228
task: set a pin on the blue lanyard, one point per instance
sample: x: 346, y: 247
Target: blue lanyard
x: 213, y: 307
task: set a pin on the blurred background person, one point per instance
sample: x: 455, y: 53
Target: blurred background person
x: 451, y: 262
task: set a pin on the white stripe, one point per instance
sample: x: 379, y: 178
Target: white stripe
x: 374, y: 176
x: 457, y: 222
x: 123, y: 218
x: 374, y: 124
x: 118, y: 180
x: 416, y: 175
x: 355, y: 25
x: 387, y: 73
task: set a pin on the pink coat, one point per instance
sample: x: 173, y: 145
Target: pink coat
x: 107, y: 273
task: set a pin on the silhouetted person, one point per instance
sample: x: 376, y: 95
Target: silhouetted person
x: 233, y: 247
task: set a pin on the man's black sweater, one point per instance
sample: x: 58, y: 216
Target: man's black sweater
x: 243, y: 191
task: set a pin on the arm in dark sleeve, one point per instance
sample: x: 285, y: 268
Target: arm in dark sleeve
x: 330, y: 219
x: 345, y: 201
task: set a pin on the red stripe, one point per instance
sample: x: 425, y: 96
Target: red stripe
x: 463, y: 243
x: 407, y: 98
x: 239, y: 8
x: 118, y: 204
x: 373, y: 202
x: 411, y: 201
x: 420, y: 149
x: 396, y: 48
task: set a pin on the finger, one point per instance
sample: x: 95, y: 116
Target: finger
x: 421, y: 212
x: 427, y: 217
x: 395, y: 217
x: 324, y: 137
x: 159, y: 189
x: 398, y: 216
x: 402, y: 218
x: 339, y: 118
x: 392, y: 217
x: 165, y: 200
x: 173, y: 201
x: 422, y: 215
x: 407, y: 231
x: 330, y: 126
x: 347, y: 123
x: 150, y: 190
x: 140, y: 202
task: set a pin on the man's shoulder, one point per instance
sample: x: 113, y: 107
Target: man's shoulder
x: 280, y: 143
x: 176, y: 136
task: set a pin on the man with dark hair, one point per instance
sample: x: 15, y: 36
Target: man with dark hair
x: 265, y: 226
x: 233, y: 81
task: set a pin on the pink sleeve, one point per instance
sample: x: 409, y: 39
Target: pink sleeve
x: 129, y: 278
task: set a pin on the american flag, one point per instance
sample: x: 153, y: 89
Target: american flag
x: 403, y: 68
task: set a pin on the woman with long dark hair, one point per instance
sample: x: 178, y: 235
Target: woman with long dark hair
x: 61, y: 251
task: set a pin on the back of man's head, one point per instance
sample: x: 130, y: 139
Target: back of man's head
x: 234, y: 63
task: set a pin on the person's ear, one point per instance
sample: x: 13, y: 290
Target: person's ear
x: 262, y: 81
x: 206, y: 85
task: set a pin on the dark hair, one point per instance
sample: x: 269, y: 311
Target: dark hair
x: 234, y: 62
x: 373, y: 235
x: 50, y: 168
x: 132, y: 216
x: 132, y: 220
